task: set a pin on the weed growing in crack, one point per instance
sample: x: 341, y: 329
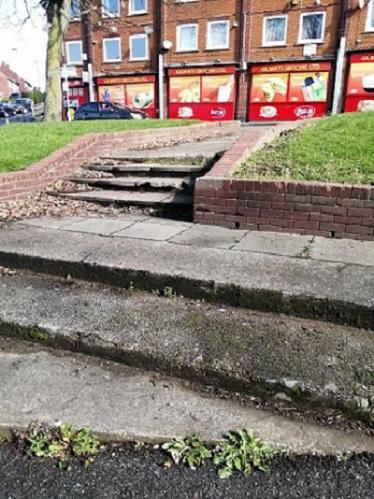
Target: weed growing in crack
x: 61, y: 442
x: 240, y: 451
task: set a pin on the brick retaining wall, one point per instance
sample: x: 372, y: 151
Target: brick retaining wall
x: 324, y: 209
x: 66, y: 160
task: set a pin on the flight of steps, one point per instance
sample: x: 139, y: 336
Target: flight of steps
x: 142, y: 182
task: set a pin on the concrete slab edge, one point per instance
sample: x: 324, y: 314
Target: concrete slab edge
x: 264, y: 300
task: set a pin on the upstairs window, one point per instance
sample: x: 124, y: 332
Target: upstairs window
x: 274, y: 31
x: 138, y: 47
x: 75, y: 9
x: 138, y: 7
x: 74, y: 53
x: 187, y: 37
x: 218, y: 35
x: 112, y: 49
x: 370, y: 18
x: 111, y: 8
x: 312, y: 27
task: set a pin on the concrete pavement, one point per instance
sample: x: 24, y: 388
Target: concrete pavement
x: 301, y: 275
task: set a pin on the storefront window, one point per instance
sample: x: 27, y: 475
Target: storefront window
x: 274, y: 31
x: 308, y: 87
x: 269, y: 87
x: 370, y: 18
x: 218, y: 88
x: 185, y: 89
x: 312, y: 27
x: 74, y: 52
x: 111, y: 8
x: 112, y: 49
x: 138, y: 47
x: 187, y: 37
x: 218, y: 35
x: 137, y: 6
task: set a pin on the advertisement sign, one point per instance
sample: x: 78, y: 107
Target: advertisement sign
x: 202, y: 93
x: 293, y: 91
x: 360, y: 85
x: 137, y: 92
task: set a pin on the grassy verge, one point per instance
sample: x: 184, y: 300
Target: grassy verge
x: 23, y: 144
x: 336, y: 149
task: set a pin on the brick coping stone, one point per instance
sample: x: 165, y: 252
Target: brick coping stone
x: 317, y: 208
x: 65, y: 161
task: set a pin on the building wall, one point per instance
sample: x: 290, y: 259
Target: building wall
x: 292, y: 50
x: 358, y: 37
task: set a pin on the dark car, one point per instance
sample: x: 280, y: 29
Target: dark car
x: 8, y: 109
x: 22, y: 105
x: 3, y: 114
x: 107, y: 111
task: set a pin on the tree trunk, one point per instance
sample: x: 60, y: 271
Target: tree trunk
x: 59, y: 19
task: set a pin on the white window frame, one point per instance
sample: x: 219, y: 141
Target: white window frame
x: 368, y: 27
x: 105, y: 58
x: 264, y: 25
x: 73, y: 42
x: 179, y: 27
x: 208, y: 33
x: 146, y: 56
x: 137, y: 12
x: 317, y: 40
x: 108, y: 14
x: 76, y: 18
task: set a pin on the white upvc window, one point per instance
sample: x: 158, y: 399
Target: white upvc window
x: 74, y: 53
x: 187, y: 37
x: 112, y: 49
x: 111, y: 8
x: 139, y: 47
x: 274, y: 31
x: 75, y: 10
x: 138, y: 7
x: 218, y: 35
x: 312, y: 27
x: 370, y: 17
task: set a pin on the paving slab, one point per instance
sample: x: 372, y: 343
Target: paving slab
x: 120, y: 403
x: 309, y: 363
x: 151, y: 231
x: 208, y: 236
x: 274, y: 243
x: 51, y: 222
x: 345, y: 251
x: 102, y: 226
x: 125, y: 197
x: 311, y: 288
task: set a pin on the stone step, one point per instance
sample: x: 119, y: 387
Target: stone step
x: 176, y: 183
x: 133, y: 198
x: 125, y: 404
x: 145, y: 168
x: 277, y: 359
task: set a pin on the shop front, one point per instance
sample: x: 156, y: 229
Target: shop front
x: 202, y: 93
x: 360, y: 84
x: 75, y: 94
x: 289, y: 91
x: 136, y: 92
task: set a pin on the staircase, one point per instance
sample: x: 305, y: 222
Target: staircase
x: 163, y: 184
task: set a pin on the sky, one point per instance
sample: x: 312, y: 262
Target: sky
x: 23, y: 45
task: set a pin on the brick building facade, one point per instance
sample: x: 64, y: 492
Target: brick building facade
x: 262, y: 60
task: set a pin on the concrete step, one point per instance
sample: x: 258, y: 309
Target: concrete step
x: 176, y: 183
x: 145, y: 168
x: 133, y: 198
x: 119, y: 403
x: 305, y: 363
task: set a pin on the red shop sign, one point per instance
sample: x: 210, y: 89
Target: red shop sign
x: 118, y: 80
x: 291, y: 67
x: 202, y: 71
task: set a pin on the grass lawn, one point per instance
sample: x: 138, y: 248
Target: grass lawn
x: 22, y: 144
x: 336, y: 149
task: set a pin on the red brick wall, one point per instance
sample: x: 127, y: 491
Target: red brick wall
x: 65, y: 161
x: 324, y: 209
x: 358, y: 37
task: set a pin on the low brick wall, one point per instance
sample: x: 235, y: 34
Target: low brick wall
x: 66, y: 160
x: 324, y: 209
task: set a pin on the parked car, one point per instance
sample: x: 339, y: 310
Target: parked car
x: 3, y: 113
x: 22, y: 105
x: 107, y: 111
x: 7, y: 108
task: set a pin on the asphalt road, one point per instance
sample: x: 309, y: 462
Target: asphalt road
x: 120, y: 472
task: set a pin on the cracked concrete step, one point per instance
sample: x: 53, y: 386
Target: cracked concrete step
x: 119, y: 403
x: 146, y: 168
x: 177, y: 183
x: 133, y: 198
x: 307, y: 363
